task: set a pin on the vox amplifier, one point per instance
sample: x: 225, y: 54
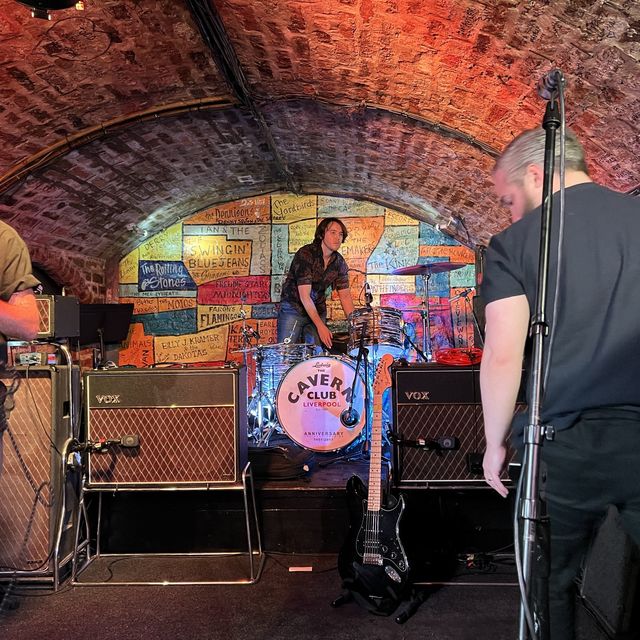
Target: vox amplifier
x: 31, y: 483
x: 437, y: 414
x: 59, y: 316
x: 166, y: 427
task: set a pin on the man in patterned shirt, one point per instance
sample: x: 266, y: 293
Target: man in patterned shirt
x: 315, y: 268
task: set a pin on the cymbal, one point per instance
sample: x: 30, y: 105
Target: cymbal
x: 428, y: 269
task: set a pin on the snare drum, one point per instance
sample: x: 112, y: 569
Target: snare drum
x: 313, y: 399
x: 382, y: 328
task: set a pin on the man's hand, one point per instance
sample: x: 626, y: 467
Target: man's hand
x: 493, y: 464
x: 324, y: 334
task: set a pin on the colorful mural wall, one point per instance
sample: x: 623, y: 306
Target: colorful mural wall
x: 192, y: 283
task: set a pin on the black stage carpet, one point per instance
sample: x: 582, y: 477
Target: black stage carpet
x: 283, y: 604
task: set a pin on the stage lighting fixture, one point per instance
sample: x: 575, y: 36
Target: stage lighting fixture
x: 450, y: 226
x: 41, y: 8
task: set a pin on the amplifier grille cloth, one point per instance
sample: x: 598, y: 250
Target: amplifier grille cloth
x: 177, y: 445
x: 25, y: 486
x: 433, y: 421
x: 463, y: 421
x: 44, y: 312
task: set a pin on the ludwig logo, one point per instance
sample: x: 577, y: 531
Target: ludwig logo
x: 111, y: 399
x: 417, y: 395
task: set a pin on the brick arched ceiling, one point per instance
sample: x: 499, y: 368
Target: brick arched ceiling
x: 119, y: 119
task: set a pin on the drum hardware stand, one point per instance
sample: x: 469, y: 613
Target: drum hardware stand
x: 465, y: 295
x: 349, y: 417
x: 425, y: 271
x: 262, y: 432
x: 426, y: 321
x: 417, y: 349
x: 259, y: 432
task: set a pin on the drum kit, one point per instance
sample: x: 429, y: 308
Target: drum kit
x: 321, y: 402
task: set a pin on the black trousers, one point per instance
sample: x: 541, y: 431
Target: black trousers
x: 586, y: 468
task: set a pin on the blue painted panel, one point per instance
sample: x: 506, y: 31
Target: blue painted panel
x: 169, y: 323
x: 164, y: 275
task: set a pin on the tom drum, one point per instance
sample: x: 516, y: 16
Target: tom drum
x: 382, y: 331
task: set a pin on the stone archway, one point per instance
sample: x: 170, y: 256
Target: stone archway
x: 85, y: 281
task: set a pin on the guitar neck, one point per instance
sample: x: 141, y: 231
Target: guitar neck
x: 375, y: 453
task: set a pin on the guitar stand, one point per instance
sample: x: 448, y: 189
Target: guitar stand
x: 406, y: 609
x: 409, y: 606
x: 345, y: 597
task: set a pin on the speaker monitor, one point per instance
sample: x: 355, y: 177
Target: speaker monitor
x: 59, y: 316
x: 609, y: 585
x: 180, y: 427
x: 31, y: 485
x: 434, y: 402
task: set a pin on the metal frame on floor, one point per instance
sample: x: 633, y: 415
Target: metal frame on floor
x: 83, y: 556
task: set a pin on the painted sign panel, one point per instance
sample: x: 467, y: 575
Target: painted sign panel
x: 249, y: 289
x: 215, y: 315
x: 280, y: 256
x: 166, y: 245
x: 453, y: 253
x: 211, y: 257
x: 158, y: 305
x: 128, y: 268
x: 397, y: 248
x: 163, y: 275
x: 393, y: 218
x: 431, y: 236
x: 169, y: 322
x: 245, y: 211
x: 335, y: 207
x: 137, y: 350
x: 364, y: 236
x: 289, y: 208
x: 301, y: 233
x: 258, y: 234
x: 206, y: 346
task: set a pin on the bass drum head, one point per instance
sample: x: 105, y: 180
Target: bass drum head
x: 311, y: 398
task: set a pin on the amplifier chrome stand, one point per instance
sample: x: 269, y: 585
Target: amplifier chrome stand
x: 83, y: 557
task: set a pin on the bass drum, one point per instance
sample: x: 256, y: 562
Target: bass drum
x: 313, y: 398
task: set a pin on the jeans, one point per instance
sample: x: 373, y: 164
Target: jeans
x: 586, y: 468
x: 297, y: 326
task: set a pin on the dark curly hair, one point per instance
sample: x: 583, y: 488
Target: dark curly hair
x: 322, y: 228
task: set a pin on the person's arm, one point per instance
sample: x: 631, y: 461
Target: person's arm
x: 304, y: 290
x: 507, y: 324
x: 346, y: 301
x: 19, y: 316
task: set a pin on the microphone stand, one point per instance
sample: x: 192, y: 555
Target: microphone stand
x: 534, y: 535
x: 476, y: 324
x: 349, y: 418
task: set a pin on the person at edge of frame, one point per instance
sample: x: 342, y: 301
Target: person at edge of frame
x: 592, y: 353
x: 315, y: 267
x: 19, y: 319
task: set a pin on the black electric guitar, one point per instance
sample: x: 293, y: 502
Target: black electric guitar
x: 372, y: 563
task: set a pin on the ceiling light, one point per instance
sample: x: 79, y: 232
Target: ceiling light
x: 41, y: 8
x: 450, y: 226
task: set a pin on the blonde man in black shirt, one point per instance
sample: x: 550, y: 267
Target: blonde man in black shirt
x: 592, y: 352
